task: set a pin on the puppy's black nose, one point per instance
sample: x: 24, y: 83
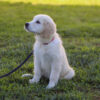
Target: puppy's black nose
x: 26, y: 24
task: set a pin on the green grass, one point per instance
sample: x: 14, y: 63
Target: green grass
x: 79, y: 27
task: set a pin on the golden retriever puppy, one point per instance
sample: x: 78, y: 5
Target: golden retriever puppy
x: 49, y: 55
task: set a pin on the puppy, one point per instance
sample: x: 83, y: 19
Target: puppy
x: 49, y: 55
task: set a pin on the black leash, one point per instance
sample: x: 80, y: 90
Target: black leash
x: 17, y: 66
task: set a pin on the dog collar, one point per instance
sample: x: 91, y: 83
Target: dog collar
x: 49, y: 42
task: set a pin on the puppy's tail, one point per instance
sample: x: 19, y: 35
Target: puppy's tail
x: 26, y: 75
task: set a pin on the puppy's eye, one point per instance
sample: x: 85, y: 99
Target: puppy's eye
x: 38, y: 22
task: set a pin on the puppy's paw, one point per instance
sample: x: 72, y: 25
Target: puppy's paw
x: 51, y: 85
x: 70, y: 74
x: 32, y: 81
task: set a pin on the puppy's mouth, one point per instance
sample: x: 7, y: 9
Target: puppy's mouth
x: 27, y: 29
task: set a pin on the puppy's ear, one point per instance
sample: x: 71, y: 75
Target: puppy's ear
x: 49, y: 27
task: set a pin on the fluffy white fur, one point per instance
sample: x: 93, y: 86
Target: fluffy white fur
x: 49, y: 60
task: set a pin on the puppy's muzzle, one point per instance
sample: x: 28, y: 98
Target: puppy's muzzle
x: 26, y: 25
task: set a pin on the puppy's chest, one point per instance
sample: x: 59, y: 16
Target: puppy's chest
x: 45, y: 58
x: 44, y: 54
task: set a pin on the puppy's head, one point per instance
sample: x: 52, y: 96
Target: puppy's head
x: 41, y: 24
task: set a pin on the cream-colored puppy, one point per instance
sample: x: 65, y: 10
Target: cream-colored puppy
x: 49, y: 55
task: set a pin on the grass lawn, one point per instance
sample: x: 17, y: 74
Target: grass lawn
x: 79, y: 27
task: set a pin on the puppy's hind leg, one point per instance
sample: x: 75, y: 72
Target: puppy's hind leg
x: 70, y: 74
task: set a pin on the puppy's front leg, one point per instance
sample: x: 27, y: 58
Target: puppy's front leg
x: 37, y: 72
x: 36, y: 77
x: 54, y: 76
